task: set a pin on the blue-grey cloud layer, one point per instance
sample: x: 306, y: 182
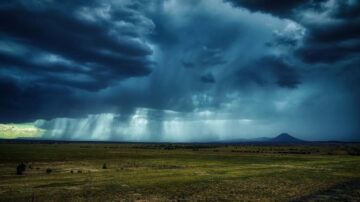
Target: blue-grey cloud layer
x: 286, y: 66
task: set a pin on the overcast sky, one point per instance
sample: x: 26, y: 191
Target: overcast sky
x: 181, y: 70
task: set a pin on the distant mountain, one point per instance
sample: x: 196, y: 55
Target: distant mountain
x: 284, y: 137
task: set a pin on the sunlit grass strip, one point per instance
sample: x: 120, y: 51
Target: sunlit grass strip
x: 24, y: 130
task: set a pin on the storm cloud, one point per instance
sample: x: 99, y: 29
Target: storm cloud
x: 49, y: 48
x: 188, y: 70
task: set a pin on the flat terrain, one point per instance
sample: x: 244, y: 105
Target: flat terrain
x: 153, y: 172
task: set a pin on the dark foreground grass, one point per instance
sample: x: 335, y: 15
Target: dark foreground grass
x: 175, y: 173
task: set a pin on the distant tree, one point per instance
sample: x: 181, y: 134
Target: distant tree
x: 20, y: 168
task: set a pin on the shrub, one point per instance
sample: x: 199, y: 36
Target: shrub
x: 20, y: 168
x: 48, y: 170
x: 104, y: 166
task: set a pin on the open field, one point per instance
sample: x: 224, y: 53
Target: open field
x: 152, y: 172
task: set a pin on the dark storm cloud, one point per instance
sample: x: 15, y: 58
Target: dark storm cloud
x: 347, y: 9
x: 286, y: 75
x: 326, y: 37
x: 208, y: 78
x: 50, y: 51
x: 330, y: 43
x: 205, y: 58
x: 21, y: 103
x: 282, y: 8
x: 327, y: 53
x: 80, y: 41
x: 336, y: 36
x: 267, y: 71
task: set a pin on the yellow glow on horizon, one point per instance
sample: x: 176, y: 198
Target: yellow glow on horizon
x: 12, y: 131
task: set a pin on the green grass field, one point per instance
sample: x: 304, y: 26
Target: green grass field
x: 177, y: 173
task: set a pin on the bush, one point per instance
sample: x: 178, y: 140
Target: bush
x: 48, y: 170
x: 20, y: 169
x: 104, y: 166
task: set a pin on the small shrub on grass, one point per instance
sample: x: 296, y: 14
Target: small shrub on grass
x: 20, y: 169
x: 49, y: 170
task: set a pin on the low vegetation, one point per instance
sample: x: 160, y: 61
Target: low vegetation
x: 20, y: 169
x: 175, y: 172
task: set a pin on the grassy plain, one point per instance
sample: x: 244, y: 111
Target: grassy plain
x: 152, y: 172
